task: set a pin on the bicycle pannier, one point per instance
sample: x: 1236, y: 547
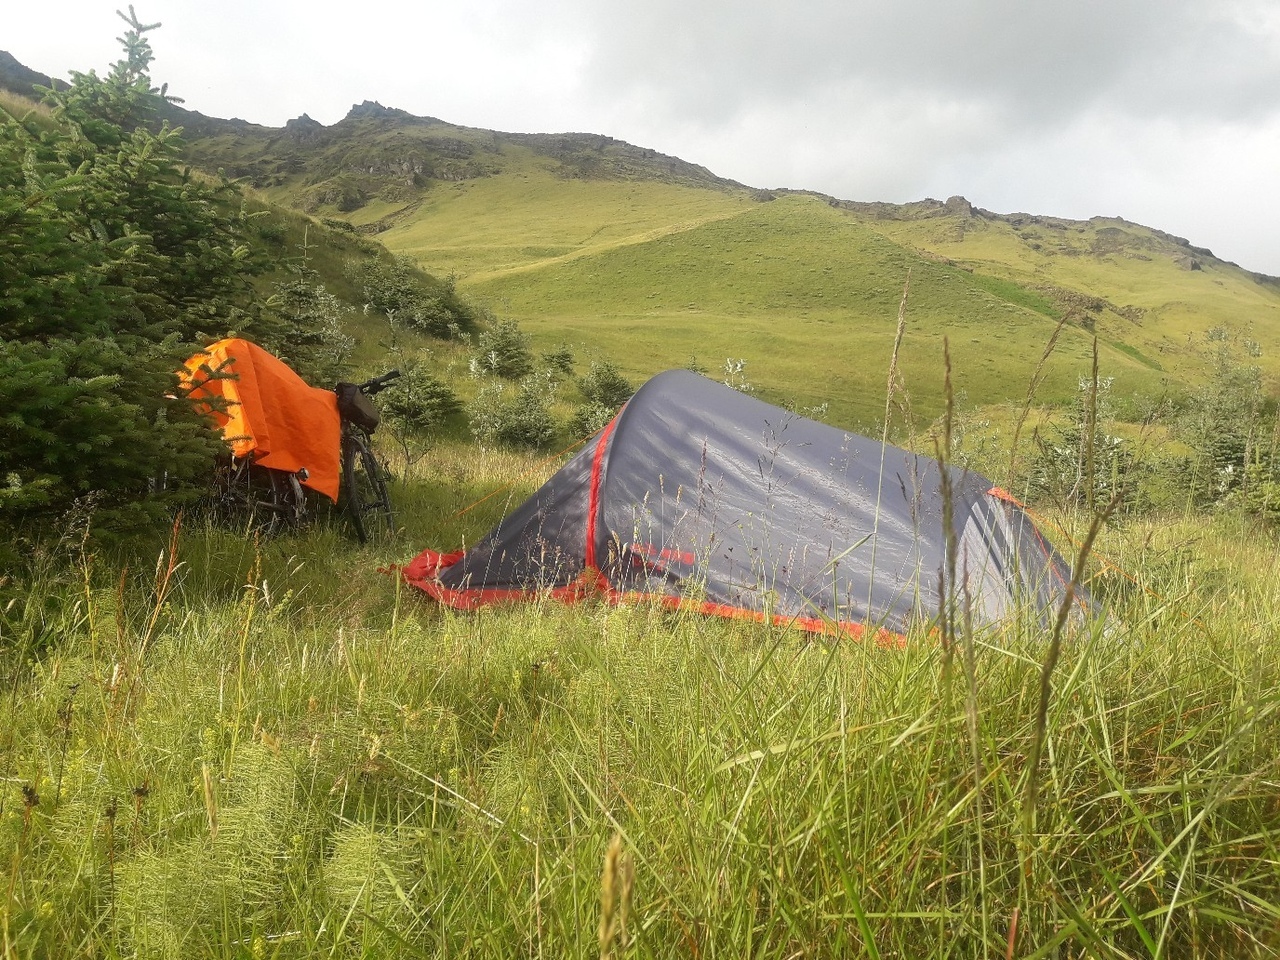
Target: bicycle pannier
x: 353, y: 405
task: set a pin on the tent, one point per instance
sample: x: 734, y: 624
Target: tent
x: 263, y: 408
x: 703, y: 497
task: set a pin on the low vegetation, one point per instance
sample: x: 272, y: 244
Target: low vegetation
x: 273, y: 749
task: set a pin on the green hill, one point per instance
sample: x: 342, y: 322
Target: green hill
x: 651, y: 261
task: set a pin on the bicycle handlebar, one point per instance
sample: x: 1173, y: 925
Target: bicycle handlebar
x: 378, y: 384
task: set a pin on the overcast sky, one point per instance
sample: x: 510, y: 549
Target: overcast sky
x: 1164, y: 112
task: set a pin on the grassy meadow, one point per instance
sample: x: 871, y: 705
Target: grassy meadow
x: 229, y: 748
x: 1167, y: 305
x: 807, y: 292
x: 623, y: 254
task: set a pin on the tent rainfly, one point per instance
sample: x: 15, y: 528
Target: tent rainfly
x: 702, y: 497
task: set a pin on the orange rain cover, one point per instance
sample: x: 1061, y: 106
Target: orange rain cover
x: 271, y: 411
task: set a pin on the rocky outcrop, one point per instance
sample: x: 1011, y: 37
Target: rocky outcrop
x: 303, y: 124
x: 373, y: 110
x: 1085, y: 308
x: 305, y: 130
x: 591, y: 156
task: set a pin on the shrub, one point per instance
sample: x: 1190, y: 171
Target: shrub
x: 409, y: 296
x: 503, y: 350
x: 604, y: 390
x: 735, y: 375
x: 590, y: 418
x: 1221, y: 422
x: 605, y: 385
x: 559, y: 360
x: 417, y: 402
x: 310, y: 335
x: 1082, y: 463
x: 430, y: 315
x: 1262, y: 492
x: 514, y: 416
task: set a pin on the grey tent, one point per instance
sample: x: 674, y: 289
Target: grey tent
x: 702, y: 497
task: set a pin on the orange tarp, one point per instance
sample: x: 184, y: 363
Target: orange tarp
x: 270, y: 412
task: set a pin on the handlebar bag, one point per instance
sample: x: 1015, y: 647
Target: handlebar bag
x: 353, y: 405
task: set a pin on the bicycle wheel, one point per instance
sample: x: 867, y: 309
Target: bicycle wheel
x: 364, y: 486
x: 268, y: 501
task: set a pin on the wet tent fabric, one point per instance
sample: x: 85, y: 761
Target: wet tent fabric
x: 703, y: 497
x: 269, y: 411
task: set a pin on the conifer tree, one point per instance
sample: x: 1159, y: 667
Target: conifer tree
x: 115, y: 262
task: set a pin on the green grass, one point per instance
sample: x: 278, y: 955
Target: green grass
x: 809, y: 297
x: 624, y: 256
x: 481, y: 228
x: 1014, y: 293
x: 18, y: 107
x: 279, y: 752
x: 649, y: 273
x: 1131, y: 350
x: 1138, y: 269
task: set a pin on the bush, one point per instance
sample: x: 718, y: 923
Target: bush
x: 409, y: 296
x: 604, y: 385
x: 310, y: 335
x: 735, y: 375
x: 1084, y: 463
x: 590, y: 418
x: 503, y: 351
x: 514, y: 416
x: 604, y: 390
x: 417, y: 402
x: 1221, y: 422
x: 559, y: 361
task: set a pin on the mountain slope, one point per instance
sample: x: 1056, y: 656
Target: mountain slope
x: 809, y: 297
x: 650, y: 260
x: 1146, y: 292
x: 531, y: 215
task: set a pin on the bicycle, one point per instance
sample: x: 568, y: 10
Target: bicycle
x: 272, y: 500
x: 364, y: 478
x: 275, y: 501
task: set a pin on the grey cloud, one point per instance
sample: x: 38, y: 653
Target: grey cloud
x: 1036, y: 62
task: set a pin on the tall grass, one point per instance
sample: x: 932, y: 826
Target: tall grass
x: 273, y: 750
x: 16, y: 106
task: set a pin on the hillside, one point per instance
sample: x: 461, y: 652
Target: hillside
x: 656, y: 262
x: 651, y: 261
